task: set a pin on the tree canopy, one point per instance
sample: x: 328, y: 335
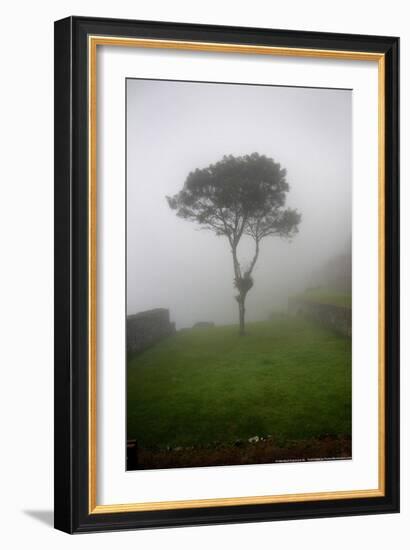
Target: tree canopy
x: 238, y: 196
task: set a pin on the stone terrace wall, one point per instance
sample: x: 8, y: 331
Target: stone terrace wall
x: 146, y: 328
x: 336, y: 317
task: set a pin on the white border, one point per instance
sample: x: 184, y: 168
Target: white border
x: 114, y: 484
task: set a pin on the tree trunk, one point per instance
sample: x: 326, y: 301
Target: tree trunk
x: 241, y: 304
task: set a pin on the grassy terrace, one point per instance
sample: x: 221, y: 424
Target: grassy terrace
x: 322, y: 296
x: 288, y: 378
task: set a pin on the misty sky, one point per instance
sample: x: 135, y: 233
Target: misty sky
x: 175, y: 127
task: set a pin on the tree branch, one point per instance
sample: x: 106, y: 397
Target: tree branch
x: 254, y: 259
x: 236, y: 264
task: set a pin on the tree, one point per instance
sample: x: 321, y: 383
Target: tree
x: 234, y: 197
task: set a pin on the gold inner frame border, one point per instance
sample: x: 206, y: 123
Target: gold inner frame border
x: 93, y: 43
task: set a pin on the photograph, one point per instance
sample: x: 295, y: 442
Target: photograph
x: 202, y: 222
x: 238, y: 274
x: 226, y: 316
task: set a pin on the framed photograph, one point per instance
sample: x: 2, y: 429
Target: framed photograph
x: 226, y: 274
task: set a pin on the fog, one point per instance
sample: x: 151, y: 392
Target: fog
x: 176, y: 127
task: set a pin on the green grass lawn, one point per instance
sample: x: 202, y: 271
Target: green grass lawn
x: 288, y: 378
x: 323, y: 296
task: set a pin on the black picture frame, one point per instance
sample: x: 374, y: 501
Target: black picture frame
x: 71, y: 492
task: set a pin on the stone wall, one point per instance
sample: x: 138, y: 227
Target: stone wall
x: 336, y: 317
x: 146, y: 328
